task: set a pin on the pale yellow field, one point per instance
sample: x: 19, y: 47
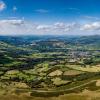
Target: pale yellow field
x: 86, y: 69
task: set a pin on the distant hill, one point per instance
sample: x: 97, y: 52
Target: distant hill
x: 24, y: 40
x: 94, y: 39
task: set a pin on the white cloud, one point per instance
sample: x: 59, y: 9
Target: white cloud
x: 11, y: 27
x: 91, y: 17
x: 59, y: 25
x: 73, y: 9
x: 2, y: 5
x: 44, y: 28
x: 39, y: 27
x: 91, y: 27
x: 64, y: 27
x: 12, y: 22
x: 41, y: 11
x: 14, y: 8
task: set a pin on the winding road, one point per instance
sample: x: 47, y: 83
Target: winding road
x: 65, y: 90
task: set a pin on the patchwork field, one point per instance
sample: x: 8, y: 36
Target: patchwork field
x: 48, y: 71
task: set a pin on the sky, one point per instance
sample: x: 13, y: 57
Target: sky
x: 49, y: 17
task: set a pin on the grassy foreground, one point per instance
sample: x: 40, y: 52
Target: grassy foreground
x: 86, y: 95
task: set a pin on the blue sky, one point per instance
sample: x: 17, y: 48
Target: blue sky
x: 62, y: 10
x: 49, y: 17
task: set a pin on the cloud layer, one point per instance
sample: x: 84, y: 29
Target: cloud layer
x: 22, y: 27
